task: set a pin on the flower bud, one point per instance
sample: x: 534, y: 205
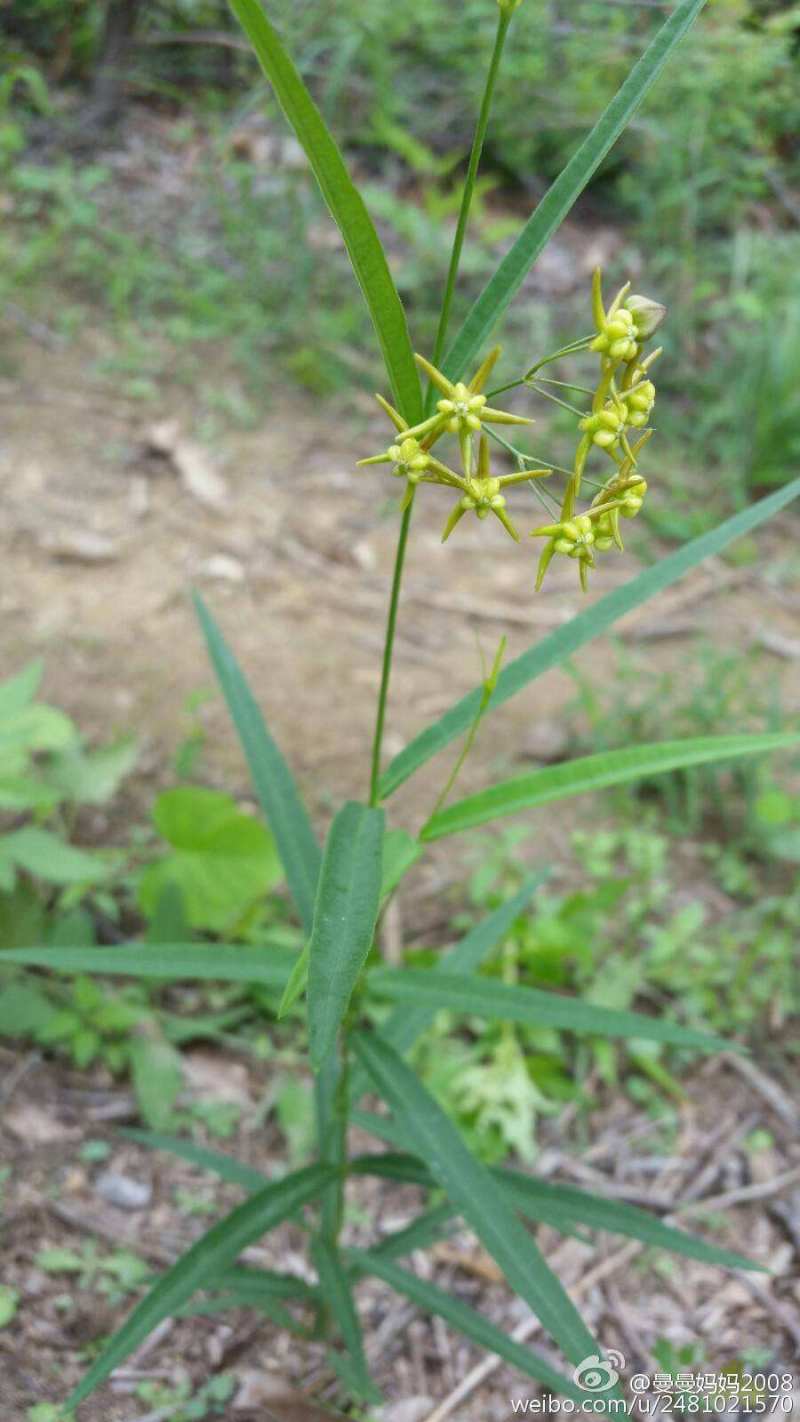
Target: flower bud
x: 647, y: 314
x: 509, y: 6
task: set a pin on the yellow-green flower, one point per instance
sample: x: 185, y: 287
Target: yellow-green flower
x: 410, y: 460
x: 574, y: 538
x: 620, y: 497
x: 607, y: 425
x: 638, y: 393
x: 617, y: 334
x: 463, y: 410
x: 482, y: 493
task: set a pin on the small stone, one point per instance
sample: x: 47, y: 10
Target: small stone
x: 122, y: 1191
x: 80, y: 546
x: 547, y: 741
x: 222, y: 568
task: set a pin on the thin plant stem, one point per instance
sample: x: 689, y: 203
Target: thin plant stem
x: 388, y: 652
x: 558, y: 401
x: 565, y: 384
x: 489, y: 684
x: 331, y: 1146
x: 503, y: 22
x: 572, y: 349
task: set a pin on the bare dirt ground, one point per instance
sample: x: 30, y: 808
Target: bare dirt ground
x: 102, y: 540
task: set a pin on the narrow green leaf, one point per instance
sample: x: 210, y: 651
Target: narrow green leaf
x: 265, y: 1304
x: 564, y: 1207
x: 255, y: 1288
x: 344, y: 920
x: 596, y: 772
x: 345, y: 203
x: 235, y: 1172
x: 384, y: 1128
x: 220, y: 1246
x: 471, y: 1188
x: 296, y: 984
x: 209, y: 962
x: 264, y: 1282
x: 561, y: 644
x: 334, y: 1286
x: 490, y: 998
x: 272, y: 779
x: 391, y: 1165
x: 561, y: 1206
x: 465, y: 1319
x: 423, y: 1231
x: 568, y: 186
x: 406, y: 1024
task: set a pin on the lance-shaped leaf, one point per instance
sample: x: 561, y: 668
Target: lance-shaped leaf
x: 568, y: 186
x: 345, y: 203
x: 227, y: 1167
x: 406, y: 1024
x: 296, y: 985
x: 508, y: 1002
x: 423, y: 1231
x: 262, y: 1289
x: 561, y: 1206
x: 218, y: 1248
x: 460, y: 1316
x: 199, y: 962
x: 563, y: 643
x: 596, y: 772
x: 344, y: 920
x: 272, y: 779
x: 471, y: 1188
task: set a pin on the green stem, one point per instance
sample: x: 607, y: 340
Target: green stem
x: 503, y: 23
x: 331, y: 1099
x: 572, y: 349
x: 388, y: 652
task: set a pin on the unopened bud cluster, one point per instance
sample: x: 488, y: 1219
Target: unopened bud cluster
x: 622, y: 402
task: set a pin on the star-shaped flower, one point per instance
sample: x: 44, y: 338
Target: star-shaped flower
x: 463, y: 409
x: 482, y: 493
x: 574, y: 538
x: 410, y: 459
x: 620, y: 497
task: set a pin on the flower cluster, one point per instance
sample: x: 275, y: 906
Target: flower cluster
x: 464, y: 412
x: 621, y: 403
